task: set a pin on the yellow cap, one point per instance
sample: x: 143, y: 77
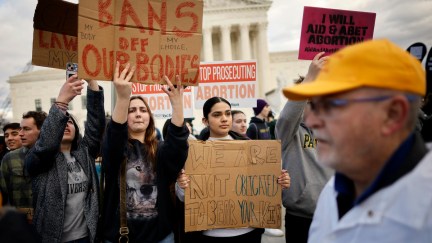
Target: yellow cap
x: 373, y: 63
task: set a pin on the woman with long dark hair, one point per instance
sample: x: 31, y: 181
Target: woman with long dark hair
x: 218, y: 119
x: 64, y: 180
x: 149, y: 166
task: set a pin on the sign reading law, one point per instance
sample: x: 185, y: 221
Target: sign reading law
x: 158, y: 37
x: 233, y: 184
x: 328, y: 30
x: 54, y: 34
x: 232, y: 80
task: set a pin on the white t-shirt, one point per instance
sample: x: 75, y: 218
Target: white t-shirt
x: 75, y: 226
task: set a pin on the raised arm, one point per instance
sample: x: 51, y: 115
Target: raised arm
x: 116, y: 134
x: 42, y: 156
x: 95, y: 124
x: 175, y: 94
x: 173, y: 153
x: 292, y: 113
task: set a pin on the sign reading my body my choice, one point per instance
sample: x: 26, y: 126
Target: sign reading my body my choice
x: 328, y: 30
x: 158, y: 37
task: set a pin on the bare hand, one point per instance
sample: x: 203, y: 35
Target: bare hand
x: 71, y: 88
x: 122, y: 82
x: 284, y: 180
x: 183, y: 180
x: 315, y: 66
x: 175, y: 95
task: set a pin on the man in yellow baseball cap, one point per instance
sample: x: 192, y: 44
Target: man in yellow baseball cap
x: 363, y: 108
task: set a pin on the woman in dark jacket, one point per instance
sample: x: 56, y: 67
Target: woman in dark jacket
x: 61, y: 164
x: 150, y: 168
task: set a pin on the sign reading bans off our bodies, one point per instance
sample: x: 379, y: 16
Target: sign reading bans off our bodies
x: 158, y: 37
x: 233, y: 80
x: 233, y: 184
x: 159, y: 102
x: 328, y: 30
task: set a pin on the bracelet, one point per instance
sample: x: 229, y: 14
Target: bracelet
x: 61, y: 103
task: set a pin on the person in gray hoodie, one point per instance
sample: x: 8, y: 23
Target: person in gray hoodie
x: 299, y: 157
x: 62, y: 166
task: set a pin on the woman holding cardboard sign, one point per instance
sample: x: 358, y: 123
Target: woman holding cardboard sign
x: 139, y: 169
x: 217, y: 117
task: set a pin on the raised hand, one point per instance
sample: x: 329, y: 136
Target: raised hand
x: 315, y: 66
x: 71, y: 88
x: 175, y: 94
x: 122, y: 82
x: 123, y: 88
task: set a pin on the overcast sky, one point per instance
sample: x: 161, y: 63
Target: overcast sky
x: 402, y: 21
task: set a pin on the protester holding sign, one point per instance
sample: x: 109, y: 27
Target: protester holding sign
x: 299, y: 156
x: 65, y: 184
x: 133, y: 156
x: 217, y: 117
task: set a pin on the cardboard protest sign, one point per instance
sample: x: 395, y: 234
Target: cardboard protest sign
x: 232, y: 80
x: 159, y: 102
x: 233, y: 184
x: 328, y: 30
x: 54, y: 35
x: 158, y: 37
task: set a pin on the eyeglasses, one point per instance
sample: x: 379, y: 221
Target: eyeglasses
x: 325, y: 106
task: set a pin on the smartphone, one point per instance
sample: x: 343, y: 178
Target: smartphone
x: 71, y: 69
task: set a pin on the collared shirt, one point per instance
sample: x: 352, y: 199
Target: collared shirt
x: 14, y: 184
x: 394, y: 168
x: 398, y: 212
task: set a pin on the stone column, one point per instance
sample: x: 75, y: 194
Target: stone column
x: 245, y: 42
x: 263, y: 61
x: 208, y: 44
x: 226, y: 42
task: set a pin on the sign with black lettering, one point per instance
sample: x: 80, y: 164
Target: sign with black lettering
x: 328, y: 30
x: 233, y: 184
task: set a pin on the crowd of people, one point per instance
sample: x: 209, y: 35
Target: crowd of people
x: 355, y: 167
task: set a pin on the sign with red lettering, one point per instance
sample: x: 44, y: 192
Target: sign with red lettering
x: 54, y: 35
x: 158, y: 37
x: 328, y: 30
x: 159, y: 102
x: 233, y: 80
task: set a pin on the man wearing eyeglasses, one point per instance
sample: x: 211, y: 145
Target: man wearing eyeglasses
x: 363, y: 109
x: 15, y: 185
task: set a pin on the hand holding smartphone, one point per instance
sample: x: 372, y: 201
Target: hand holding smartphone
x: 71, y: 69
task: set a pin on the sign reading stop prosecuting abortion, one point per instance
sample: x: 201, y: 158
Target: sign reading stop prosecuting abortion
x: 233, y: 80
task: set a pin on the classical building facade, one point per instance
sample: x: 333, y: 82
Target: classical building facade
x: 232, y: 30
